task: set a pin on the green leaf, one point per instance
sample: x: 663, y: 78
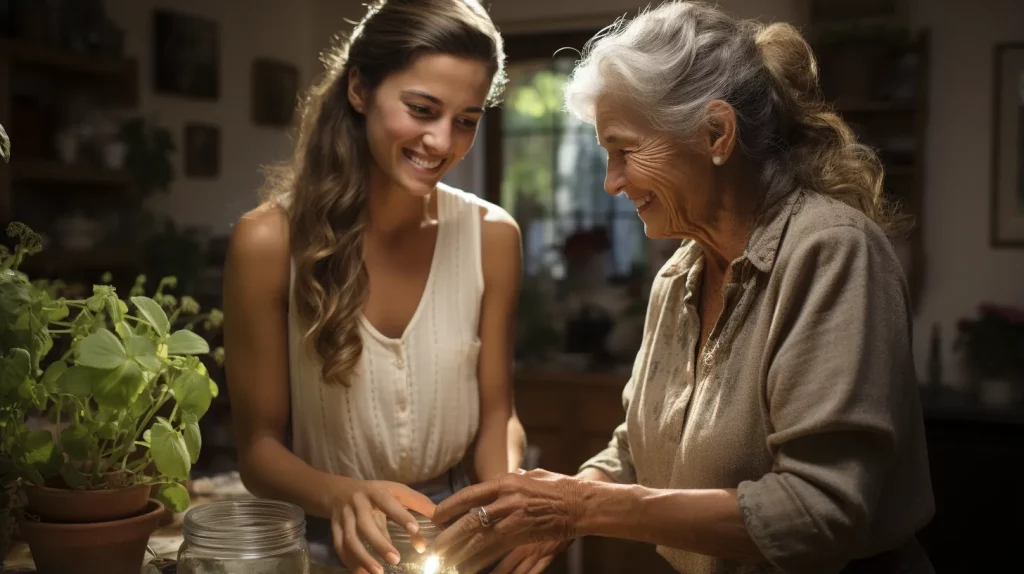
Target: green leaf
x: 100, y: 350
x: 214, y: 391
x: 107, y: 430
x: 120, y: 387
x: 32, y: 475
x: 17, y: 363
x: 137, y: 346
x: 192, y: 392
x: 52, y: 374
x: 77, y: 441
x: 174, y: 496
x: 185, y: 342
x: 24, y: 315
x: 143, y: 350
x: 124, y: 330
x: 73, y: 477
x: 193, y: 438
x: 169, y: 451
x: 14, y: 370
x: 141, y: 405
x: 154, y: 314
x: 79, y: 381
x: 41, y: 453
x: 58, y: 312
x: 147, y: 436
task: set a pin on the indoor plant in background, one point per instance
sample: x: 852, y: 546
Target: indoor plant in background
x: 13, y: 407
x: 124, y: 389
x: 993, y: 347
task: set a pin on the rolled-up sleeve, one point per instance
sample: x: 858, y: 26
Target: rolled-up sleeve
x: 839, y: 374
x: 617, y: 461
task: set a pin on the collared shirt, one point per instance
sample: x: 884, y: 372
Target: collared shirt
x: 804, y: 397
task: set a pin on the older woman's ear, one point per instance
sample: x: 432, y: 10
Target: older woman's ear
x: 719, y: 135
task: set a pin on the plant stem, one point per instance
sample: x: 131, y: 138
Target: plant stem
x: 144, y: 422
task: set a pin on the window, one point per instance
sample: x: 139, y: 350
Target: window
x: 552, y: 171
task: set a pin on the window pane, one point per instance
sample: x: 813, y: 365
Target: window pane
x: 553, y: 180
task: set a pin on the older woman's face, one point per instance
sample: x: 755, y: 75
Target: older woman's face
x: 669, y: 183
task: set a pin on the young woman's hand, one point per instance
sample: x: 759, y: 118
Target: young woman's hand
x: 356, y: 506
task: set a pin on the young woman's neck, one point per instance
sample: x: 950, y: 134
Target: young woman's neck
x: 392, y: 209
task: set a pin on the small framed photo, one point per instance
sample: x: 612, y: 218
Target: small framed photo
x: 275, y: 90
x: 202, y: 150
x: 1007, y: 226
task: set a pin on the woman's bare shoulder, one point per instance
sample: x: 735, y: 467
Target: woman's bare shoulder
x: 260, y: 249
x: 262, y: 231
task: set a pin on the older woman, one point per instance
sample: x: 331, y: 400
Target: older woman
x: 772, y: 417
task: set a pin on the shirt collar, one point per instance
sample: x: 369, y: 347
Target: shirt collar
x: 761, y: 249
x: 764, y: 241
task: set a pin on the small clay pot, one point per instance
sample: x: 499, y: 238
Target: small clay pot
x: 81, y: 506
x: 111, y: 547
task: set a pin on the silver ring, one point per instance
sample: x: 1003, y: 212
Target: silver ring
x: 485, y: 518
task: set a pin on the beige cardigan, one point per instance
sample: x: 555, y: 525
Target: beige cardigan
x: 805, y: 399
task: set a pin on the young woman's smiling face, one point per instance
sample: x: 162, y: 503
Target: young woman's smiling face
x: 422, y: 120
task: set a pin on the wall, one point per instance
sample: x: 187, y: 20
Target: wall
x: 963, y: 269
x: 248, y: 29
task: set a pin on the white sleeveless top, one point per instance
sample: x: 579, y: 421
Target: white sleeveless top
x: 412, y: 407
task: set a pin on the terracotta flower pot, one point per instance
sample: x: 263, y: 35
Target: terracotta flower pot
x: 111, y: 547
x: 62, y: 505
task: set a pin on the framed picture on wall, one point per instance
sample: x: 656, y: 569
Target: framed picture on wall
x: 275, y: 90
x: 1007, y: 216
x: 186, y: 55
x: 202, y: 150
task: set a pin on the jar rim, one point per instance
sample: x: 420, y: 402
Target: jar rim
x: 255, y: 523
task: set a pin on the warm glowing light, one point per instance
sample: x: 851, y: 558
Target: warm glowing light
x: 431, y: 565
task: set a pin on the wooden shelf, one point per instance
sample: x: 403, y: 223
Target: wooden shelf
x: 20, y: 51
x: 55, y: 172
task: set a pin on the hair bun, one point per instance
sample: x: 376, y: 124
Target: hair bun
x: 789, y: 59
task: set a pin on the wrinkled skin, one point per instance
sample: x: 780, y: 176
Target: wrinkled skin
x: 685, y: 183
x: 536, y: 508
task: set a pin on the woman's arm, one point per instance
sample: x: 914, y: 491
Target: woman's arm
x: 539, y: 507
x: 702, y: 521
x: 501, y: 255
x: 256, y: 283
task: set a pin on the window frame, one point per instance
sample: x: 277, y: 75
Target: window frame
x: 519, y: 48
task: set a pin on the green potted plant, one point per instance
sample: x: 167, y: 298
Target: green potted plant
x: 123, y: 385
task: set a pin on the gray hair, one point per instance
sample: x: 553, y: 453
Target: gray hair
x: 670, y: 62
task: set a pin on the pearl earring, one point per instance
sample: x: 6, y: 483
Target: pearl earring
x: 717, y: 160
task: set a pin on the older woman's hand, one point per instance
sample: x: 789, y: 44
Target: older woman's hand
x: 530, y: 508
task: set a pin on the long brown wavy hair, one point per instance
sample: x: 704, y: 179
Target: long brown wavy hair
x: 324, y: 188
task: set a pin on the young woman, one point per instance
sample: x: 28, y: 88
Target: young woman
x: 369, y: 308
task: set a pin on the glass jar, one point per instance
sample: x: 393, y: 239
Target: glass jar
x: 411, y: 561
x: 244, y: 537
